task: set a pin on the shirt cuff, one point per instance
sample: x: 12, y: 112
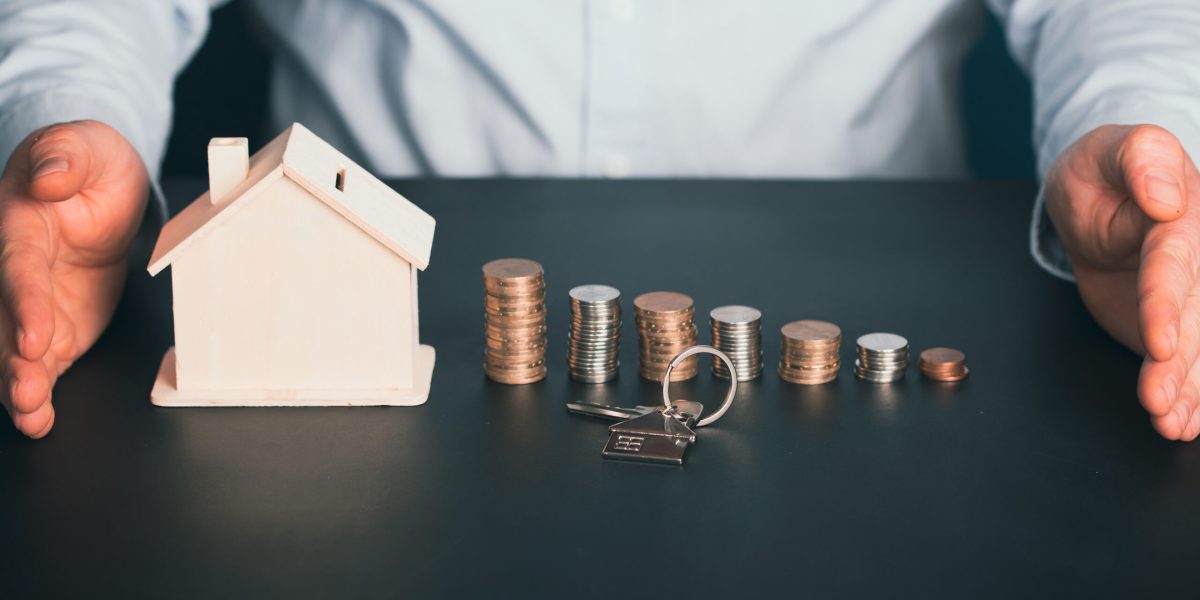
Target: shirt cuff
x: 1045, y: 245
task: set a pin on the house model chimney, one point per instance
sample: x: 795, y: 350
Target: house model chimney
x: 228, y: 164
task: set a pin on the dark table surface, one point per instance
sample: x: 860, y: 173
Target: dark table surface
x: 1040, y: 474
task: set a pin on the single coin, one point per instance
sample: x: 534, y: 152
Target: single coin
x: 883, y: 342
x: 942, y: 356
x: 594, y: 293
x: 735, y: 314
x: 663, y: 302
x: 512, y: 269
x: 811, y: 331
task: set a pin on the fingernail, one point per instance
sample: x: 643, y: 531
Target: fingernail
x: 49, y: 166
x: 1163, y: 188
x: 1169, y: 387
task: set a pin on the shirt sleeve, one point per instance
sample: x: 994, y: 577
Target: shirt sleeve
x: 114, y: 61
x: 1098, y: 62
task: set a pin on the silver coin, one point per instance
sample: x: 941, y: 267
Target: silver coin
x: 735, y: 314
x: 883, y: 342
x: 594, y: 293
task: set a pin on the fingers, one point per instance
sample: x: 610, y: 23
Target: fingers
x: 27, y: 384
x: 1151, y: 166
x: 27, y: 291
x: 26, y: 395
x: 1182, y: 421
x: 36, y: 424
x: 1170, y: 261
x: 1170, y: 389
x: 1163, y: 382
x: 26, y: 286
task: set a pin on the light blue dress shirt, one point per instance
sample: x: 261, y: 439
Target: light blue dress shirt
x: 582, y: 88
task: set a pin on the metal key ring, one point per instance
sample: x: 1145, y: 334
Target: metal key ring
x: 679, y: 358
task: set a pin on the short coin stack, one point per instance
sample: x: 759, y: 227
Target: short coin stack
x: 665, y: 328
x: 737, y: 331
x: 594, y: 341
x: 811, y: 352
x: 514, y: 321
x: 882, y: 357
x: 944, y: 364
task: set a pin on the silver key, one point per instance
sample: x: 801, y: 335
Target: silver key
x: 607, y: 411
x: 622, y: 413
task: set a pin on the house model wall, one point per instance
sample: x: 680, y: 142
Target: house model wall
x: 295, y: 283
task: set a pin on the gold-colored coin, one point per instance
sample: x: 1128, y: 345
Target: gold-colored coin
x: 513, y: 270
x: 654, y: 303
x: 812, y: 331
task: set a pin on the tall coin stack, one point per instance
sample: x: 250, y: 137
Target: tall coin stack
x: 882, y: 358
x: 665, y: 328
x: 811, y: 352
x: 514, y: 321
x: 737, y: 331
x: 593, y: 343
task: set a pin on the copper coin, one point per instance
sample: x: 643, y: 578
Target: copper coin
x: 663, y: 302
x: 512, y: 269
x: 942, y: 356
x: 811, y: 331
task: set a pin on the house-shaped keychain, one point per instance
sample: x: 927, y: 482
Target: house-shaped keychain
x: 294, y: 282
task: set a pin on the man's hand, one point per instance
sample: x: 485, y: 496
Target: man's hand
x: 71, y: 201
x: 1126, y: 202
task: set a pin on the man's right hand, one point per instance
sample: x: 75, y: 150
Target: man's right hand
x: 71, y: 200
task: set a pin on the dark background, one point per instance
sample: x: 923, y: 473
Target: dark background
x: 1037, y: 477
x: 224, y: 92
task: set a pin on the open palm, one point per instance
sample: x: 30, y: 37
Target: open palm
x: 71, y: 199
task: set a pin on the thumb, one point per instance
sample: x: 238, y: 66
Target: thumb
x: 1149, y: 164
x: 62, y: 161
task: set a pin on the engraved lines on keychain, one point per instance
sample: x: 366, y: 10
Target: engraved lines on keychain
x: 659, y: 434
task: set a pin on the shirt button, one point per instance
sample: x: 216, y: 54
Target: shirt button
x: 623, y: 9
x: 616, y: 165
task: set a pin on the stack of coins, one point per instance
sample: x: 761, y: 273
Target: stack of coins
x: 737, y: 331
x: 595, y: 337
x: 944, y: 364
x: 811, y: 352
x: 514, y: 321
x: 882, y: 357
x: 665, y: 328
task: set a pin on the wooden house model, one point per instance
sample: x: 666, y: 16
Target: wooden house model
x: 295, y: 283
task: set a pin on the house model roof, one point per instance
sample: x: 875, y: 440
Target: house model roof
x: 301, y: 156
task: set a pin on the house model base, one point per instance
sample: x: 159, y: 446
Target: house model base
x: 165, y: 393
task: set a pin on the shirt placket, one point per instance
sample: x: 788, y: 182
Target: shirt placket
x: 618, y: 92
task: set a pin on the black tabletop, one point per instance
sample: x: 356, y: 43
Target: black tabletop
x: 1038, y: 475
